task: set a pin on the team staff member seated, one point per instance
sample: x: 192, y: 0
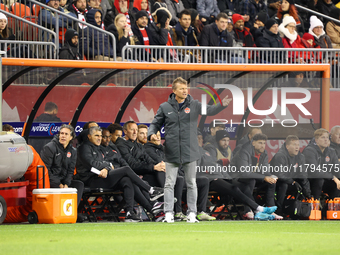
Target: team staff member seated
x: 322, y: 165
x: 290, y: 156
x: 251, y: 159
x: 135, y: 155
x: 60, y: 158
x: 91, y: 155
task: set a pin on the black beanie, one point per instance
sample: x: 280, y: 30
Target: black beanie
x: 220, y: 134
x: 70, y: 33
x: 262, y: 16
x: 161, y: 13
x: 270, y: 23
x: 291, y: 2
x: 141, y: 14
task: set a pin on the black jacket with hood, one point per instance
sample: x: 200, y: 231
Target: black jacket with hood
x: 90, y: 155
x: 321, y: 164
x: 245, y: 163
x: 134, y: 154
x: 59, y: 161
x: 69, y: 50
x: 180, y: 125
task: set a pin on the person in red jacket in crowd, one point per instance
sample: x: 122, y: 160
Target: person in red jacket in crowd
x: 291, y: 39
x: 19, y: 213
x: 142, y: 5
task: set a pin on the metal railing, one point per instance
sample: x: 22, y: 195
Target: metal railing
x: 93, y: 41
x: 25, y: 29
x: 28, y: 49
x: 235, y: 55
x: 317, y: 13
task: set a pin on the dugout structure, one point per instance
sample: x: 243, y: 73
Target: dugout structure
x: 119, y: 91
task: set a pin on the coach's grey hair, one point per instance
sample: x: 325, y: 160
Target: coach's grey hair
x: 334, y: 128
x: 94, y: 129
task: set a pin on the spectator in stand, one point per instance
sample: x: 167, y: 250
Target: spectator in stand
x: 250, y: 8
x: 242, y: 34
x: 64, y: 4
x: 175, y: 7
x: 5, y: 32
x: 207, y: 10
x: 216, y: 35
x: 230, y: 26
x: 189, y: 4
x: 47, y: 17
x: 242, y: 38
x: 196, y: 23
x: 142, y: 5
x: 99, y: 5
x: 184, y: 33
x: 79, y: 9
x: 60, y: 159
x: 259, y: 24
x: 70, y: 49
x: 288, y: 8
x: 272, y: 7
x: 319, y: 156
x: 335, y: 140
x: 228, y: 6
x: 291, y: 39
x: 92, y: 39
x: 123, y: 35
x: 320, y: 37
x: 149, y: 34
x: 325, y: 6
x: 333, y: 28
x: 271, y: 38
x: 120, y: 6
x: 116, y: 131
x: 142, y: 134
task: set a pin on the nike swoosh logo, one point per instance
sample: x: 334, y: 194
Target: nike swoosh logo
x: 169, y: 112
x: 57, y: 154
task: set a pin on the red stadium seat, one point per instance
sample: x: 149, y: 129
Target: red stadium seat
x: 20, y: 10
x: 35, y: 10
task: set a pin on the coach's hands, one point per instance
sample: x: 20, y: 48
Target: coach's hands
x: 226, y: 101
x: 103, y: 173
x: 337, y: 182
x: 270, y: 179
x: 160, y: 167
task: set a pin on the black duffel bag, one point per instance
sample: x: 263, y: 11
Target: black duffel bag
x: 295, y: 208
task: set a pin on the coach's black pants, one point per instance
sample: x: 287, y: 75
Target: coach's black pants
x: 121, y: 178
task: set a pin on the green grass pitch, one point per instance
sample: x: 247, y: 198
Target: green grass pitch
x: 219, y: 237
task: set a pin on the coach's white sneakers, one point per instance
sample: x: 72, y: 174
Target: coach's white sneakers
x: 169, y: 217
x: 192, y: 218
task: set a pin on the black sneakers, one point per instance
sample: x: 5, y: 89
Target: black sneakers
x: 157, y: 193
x: 132, y: 217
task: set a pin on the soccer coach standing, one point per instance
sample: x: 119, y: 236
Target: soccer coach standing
x: 179, y: 116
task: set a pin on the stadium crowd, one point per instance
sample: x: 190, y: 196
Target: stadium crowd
x: 217, y: 23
